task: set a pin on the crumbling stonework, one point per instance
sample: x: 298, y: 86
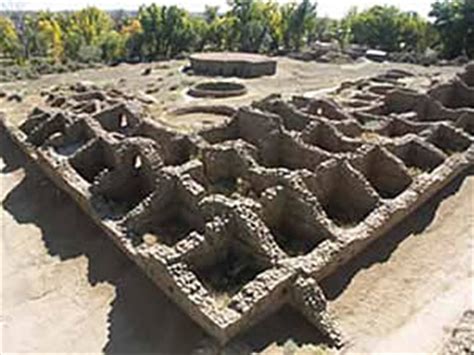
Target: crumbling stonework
x: 461, y: 340
x: 236, y: 220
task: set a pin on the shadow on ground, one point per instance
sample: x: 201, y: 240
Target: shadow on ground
x: 142, y: 319
x: 13, y: 157
x: 381, y: 249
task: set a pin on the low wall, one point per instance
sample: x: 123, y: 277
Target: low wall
x: 242, y: 65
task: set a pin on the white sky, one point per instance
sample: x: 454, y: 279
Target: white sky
x: 332, y: 8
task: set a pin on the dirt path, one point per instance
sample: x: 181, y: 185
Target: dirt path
x: 415, y: 283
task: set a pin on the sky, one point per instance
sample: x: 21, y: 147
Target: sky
x: 331, y: 8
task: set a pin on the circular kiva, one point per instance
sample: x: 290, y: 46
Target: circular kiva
x: 217, y: 89
x: 244, y: 65
x: 197, y: 117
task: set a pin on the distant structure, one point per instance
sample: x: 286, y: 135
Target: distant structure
x: 244, y: 65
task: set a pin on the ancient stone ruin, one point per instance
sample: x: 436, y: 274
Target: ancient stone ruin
x: 244, y: 65
x: 217, y: 89
x: 236, y: 220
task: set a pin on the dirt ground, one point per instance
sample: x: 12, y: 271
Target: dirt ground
x: 412, y: 286
x: 67, y: 289
x: 167, y: 85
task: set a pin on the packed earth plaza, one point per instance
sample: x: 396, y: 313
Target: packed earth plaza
x: 238, y: 202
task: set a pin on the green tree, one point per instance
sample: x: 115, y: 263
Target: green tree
x: 415, y: 33
x: 113, y: 47
x: 325, y: 29
x: 273, y: 18
x: 49, y: 36
x: 389, y: 29
x: 167, y: 31
x: 226, y: 25
x: 304, y: 23
x: 27, y: 35
x: 213, y: 36
x: 454, y: 21
x: 299, y: 23
x: 84, y: 31
x: 91, y: 23
x: 377, y: 27
x: 132, y: 34
x: 287, y: 11
x: 219, y: 29
x: 200, y: 30
x: 9, y: 41
x: 249, y: 25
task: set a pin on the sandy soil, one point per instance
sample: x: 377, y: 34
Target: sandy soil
x: 66, y: 288
x: 407, y: 291
x: 167, y: 84
x: 190, y: 122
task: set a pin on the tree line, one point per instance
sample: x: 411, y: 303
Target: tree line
x: 260, y: 26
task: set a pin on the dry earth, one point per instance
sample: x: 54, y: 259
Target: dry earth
x: 413, y: 285
x: 65, y: 287
x: 167, y: 85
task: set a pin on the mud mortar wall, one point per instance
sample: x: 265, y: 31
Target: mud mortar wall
x: 236, y: 220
